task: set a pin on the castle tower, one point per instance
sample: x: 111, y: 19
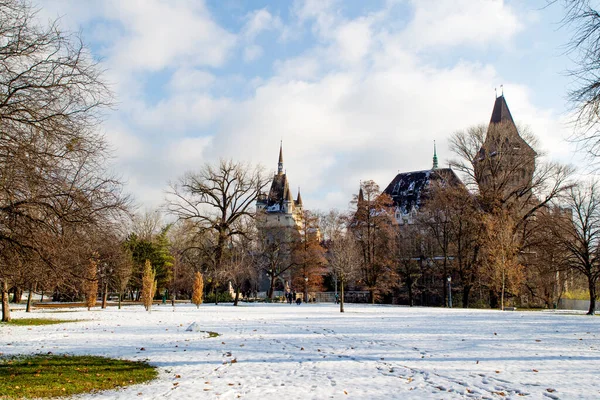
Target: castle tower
x: 278, y: 208
x: 505, y: 163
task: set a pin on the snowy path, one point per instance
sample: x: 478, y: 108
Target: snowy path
x: 314, y: 352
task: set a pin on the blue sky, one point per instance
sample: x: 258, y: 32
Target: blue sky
x: 355, y: 89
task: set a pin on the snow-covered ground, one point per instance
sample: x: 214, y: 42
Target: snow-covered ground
x: 314, y: 352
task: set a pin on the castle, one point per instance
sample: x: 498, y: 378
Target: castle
x: 503, y: 168
x: 278, y: 210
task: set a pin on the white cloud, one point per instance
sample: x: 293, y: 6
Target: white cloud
x: 180, y: 113
x: 160, y: 33
x: 259, y: 21
x: 187, y: 79
x: 188, y: 153
x: 447, y: 23
x: 252, y: 53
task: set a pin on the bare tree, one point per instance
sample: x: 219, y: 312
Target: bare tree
x: 215, y: 199
x: 275, y: 257
x: 344, y: 261
x: 506, y: 175
x: 308, y: 256
x: 52, y: 161
x: 373, y: 228
x: 583, y: 20
x: 576, y: 231
x: 500, y: 249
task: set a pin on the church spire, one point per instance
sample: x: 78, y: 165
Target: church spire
x: 299, y: 199
x: 435, y: 159
x: 280, y: 164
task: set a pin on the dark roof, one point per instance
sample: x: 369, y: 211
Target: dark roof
x: 279, y: 190
x: 502, y: 134
x: 409, y: 189
x: 501, y: 113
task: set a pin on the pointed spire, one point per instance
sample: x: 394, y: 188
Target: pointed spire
x: 501, y: 113
x: 299, y: 199
x: 435, y: 159
x: 361, y: 195
x: 280, y: 164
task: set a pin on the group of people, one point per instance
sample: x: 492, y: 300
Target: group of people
x: 291, y: 296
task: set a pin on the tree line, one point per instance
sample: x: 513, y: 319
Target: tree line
x: 67, y: 228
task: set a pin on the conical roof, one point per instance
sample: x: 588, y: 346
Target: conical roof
x: 281, y: 153
x: 501, y: 113
x: 299, y: 199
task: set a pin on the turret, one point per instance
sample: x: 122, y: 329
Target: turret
x: 288, y: 201
x: 435, y: 159
x: 280, y: 163
x: 299, y: 199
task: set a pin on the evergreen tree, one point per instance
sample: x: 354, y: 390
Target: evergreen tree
x: 198, y: 289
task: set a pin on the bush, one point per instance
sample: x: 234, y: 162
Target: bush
x: 222, y: 297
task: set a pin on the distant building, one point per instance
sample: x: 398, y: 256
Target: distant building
x: 277, y: 210
x: 410, y: 190
x: 280, y: 220
x: 505, y: 164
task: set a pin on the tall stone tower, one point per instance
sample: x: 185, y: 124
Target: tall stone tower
x: 505, y: 163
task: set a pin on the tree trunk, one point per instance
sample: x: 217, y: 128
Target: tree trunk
x: 42, y: 298
x: 465, y: 296
x: 5, y: 305
x: 409, y: 285
x: 272, y: 287
x: 372, y: 293
x: 503, y: 286
x: 237, y: 296
x: 592, y: 288
x: 342, y: 295
x: 105, y: 295
x: 28, y: 309
x: 17, y: 295
x: 120, y: 295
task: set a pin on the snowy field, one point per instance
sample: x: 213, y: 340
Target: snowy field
x: 313, y: 352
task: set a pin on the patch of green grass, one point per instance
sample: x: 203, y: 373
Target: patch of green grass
x: 65, y: 375
x: 37, y: 321
x: 212, y: 334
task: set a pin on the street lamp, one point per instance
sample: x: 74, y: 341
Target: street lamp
x: 306, y: 289
x: 449, y: 292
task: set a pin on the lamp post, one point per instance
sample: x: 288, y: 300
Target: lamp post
x: 449, y: 291
x: 306, y: 289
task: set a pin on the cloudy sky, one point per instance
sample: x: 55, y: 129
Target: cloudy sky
x: 355, y: 89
